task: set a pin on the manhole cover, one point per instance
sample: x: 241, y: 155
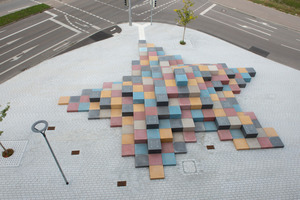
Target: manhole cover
x: 189, y: 166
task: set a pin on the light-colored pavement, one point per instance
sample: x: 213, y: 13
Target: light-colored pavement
x: 223, y: 173
x: 263, y: 12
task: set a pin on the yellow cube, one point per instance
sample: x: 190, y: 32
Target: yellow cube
x: 105, y: 93
x: 166, y: 135
x: 138, y: 88
x: 138, y: 107
x: 149, y: 95
x: 63, y: 100
x: 116, y: 102
x: 219, y: 112
x: 192, y: 82
x: 170, y: 83
x: 94, y: 106
x: 127, y: 120
x: 195, y: 103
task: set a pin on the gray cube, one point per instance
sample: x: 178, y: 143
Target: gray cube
x: 249, y: 131
x: 154, y: 146
x: 179, y: 147
x: 152, y: 122
x: 222, y: 123
x: 141, y: 160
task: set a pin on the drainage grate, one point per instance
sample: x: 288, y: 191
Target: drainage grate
x: 121, y: 183
x: 15, y: 159
x: 259, y: 51
x: 75, y: 152
x: 51, y: 128
x: 209, y: 147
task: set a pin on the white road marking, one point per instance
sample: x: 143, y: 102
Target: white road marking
x: 290, y: 47
x: 2, y: 31
x: 17, y: 9
x: 172, y: 3
x: 155, y: 8
x: 112, y: 29
x: 85, y: 12
x: 263, y: 23
x: 139, y: 5
x: 65, y: 25
x: 50, y: 13
x: 18, y: 56
x: 141, y: 30
x: 95, y: 27
x: 31, y: 40
x: 74, y: 25
x: 110, y: 5
x: 201, y: 6
x: 83, y: 25
x: 248, y: 27
x: 37, y: 54
x: 235, y: 27
x: 242, y: 20
x: 208, y: 9
x: 11, y: 42
x: 61, y: 46
x: 24, y: 29
x: 298, y: 40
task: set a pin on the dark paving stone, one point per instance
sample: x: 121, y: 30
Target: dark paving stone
x: 127, y: 91
x: 163, y: 112
x: 226, y: 104
x: 141, y: 160
x: 179, y: 147
x: 155, y: 69
x: 86, y: 92
x: 199, y: 127
x: 95, y: 96
x: 176, y: 125
x: 159, y: 83
x: 149, y: 49
x: 74, y: 99
x: 94, y: 114
x: 183, y: 91
x: 159, y: 49
x: 232, y: 100
x: 179, y: 71
x: 135, y: 62
x: 137, y: 79
x: 249, y: 131
x: 222, y: 123
x: 230, y: 73
x: 152, y: 122
x: 241, y: 82
x: 195, y: 68
x: 276, y: 142
x: 256, y: 124
x: 127, y: 109
x: 251, y: 71
x: 154, y: 146
x: 145, y: 68
x: 142, y: 41
x: 206, y: 75
x: 162, y: 100
x: 126, y: 78
x: 217, y: 85
x: 207, y: 103
x: 105, y: 103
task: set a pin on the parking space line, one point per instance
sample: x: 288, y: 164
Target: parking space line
x: 208, y: 9
x: 37, y: 54
x: 31, y: 40
x: 290, y: 47
x: 236, y: 27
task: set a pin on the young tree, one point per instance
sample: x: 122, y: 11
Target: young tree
x: 6, y: 152
x: 185, y: 15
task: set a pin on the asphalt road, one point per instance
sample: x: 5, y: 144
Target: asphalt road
x: 28, y: 42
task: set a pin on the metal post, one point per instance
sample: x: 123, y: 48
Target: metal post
x: 129, y: 13
x: 151, y: 10
x: 62, y: 173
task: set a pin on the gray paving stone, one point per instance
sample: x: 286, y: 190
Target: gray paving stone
x: 159, y: 49
x: 146, y: 68
x: 249, y: 131
x: 206, y: 75
x: 183, y: 91
x: 253, y: 143
x: 155, y: 69
x: 217, y: 104
x: 251, y: 71
x: 176, y: 125
x: 159, y: 83
x: 127, y: 109
x: 241, y: 82
x: 86, y: 92
x: 199, y: 127
x: 232, y: 101
x: 105, y: 114
x: 137, y: 79
x: 207, y: 103
x: 154, y: 146
x: 179, y: 147
x: 95, y: 96
x: 222, y: 123
x: 135, y: 62
x: 162, y: 100
x: 141, y: 160
x: 226, y: 104
x: 152, y: 122
x: 178, y: 137
x: 126, y: 78
x: 179, y: 71
x: 163, y: 112
x: 230, y: 73
x: 256, y: 124
x: 127, y: 91
x: 217, y: 85
x: 105, y: 103
x: 94, y: 114
x: 261, y: 132
x: 276, y: 142
x: 74, y: 99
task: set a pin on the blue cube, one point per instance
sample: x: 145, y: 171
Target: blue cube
x: 197, y: 74
x: 138, y: 97
x: 237, y: 108
x: 236, y: 133
x: 153, y: 134
x: 204, y: 93
x: 140, y: 149
x: 146, y: 74
x: 150, y: 103
x: 181, y: 80
x: 197, y: 115
x: 153, y: 62
x: 84, y: 107
x: 160, y: 90
x: 157, y: 75
x: 164, y: 123
x: 168, y: 159
x: 210, y: 126
x: 246, y: 77
x: 211, y: 90
x: 175, y: 112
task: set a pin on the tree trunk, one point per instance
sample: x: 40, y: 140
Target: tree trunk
x: 3, y: 147
x: 183, y: 33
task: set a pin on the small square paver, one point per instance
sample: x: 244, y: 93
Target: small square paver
x: 235, y: 122
x: 127, y: 110
x: 249, y: 131
x: 199, y: 127
x: 152, y: 122
x: 140, y: 136
x: 73, y: 107
x: 141, y: 160
x: 127, y: 139
x: 127, y: 150
x: 188, y: 124
x: 155, y: 159
x: 271, y: 132
x: 236, y: 134
x: 156, y: 172
x: 264, y: 142
x: 64, y: 100
x: 276, y: 142
x: 178, y: 137
x: 167, y: 147
x: 166, y: 135
x: 224, y: 135
x: 105, y: 114
x: 127, y: 129
x: 141, y: 149
x: 168, y: 159
x: 210, y: 126
x: 253, y: 143
x: 139, y: 124
x: 154, y: 146
x: 176, y: 125
x: 94, y: 114
x: 222, y: 123
x: 163, y: 112
x: 240, y: 144
x: 189, y: 137
x: 179, y: 147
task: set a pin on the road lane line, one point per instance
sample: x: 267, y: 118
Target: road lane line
x: 50, y: 13
x: 66, y: 17
x: 60, y: 46
x: 298, y: 40
x: 242, y: 20
x: 111, y: 5
x: 235, y: 27
x: 263, y: 23
x: 172, y: 3
x: 248, y: 27
x: 290, y: 47
x: 37, y: 54
x: 2, y: 31
x: 31, y: 40
x: 208, y: 9
x: 24, y: 29
x: 201, y: 6
x: 11, y: 42
x: 18, y: 56
x: 65, y: 25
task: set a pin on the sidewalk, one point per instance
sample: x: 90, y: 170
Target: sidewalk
x: 222, y: 173
x: 263, y: 12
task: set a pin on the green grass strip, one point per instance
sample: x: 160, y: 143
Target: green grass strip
x: 287, y: 6
x: 21, y: 14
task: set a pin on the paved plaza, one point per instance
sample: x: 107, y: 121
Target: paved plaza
x: 222, y: 173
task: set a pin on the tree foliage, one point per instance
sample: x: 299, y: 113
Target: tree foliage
x: 185, y: 14
x: 3, y: 114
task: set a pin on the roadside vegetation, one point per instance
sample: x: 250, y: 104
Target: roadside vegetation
x: 287, y: 6
x: 21, y: 14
